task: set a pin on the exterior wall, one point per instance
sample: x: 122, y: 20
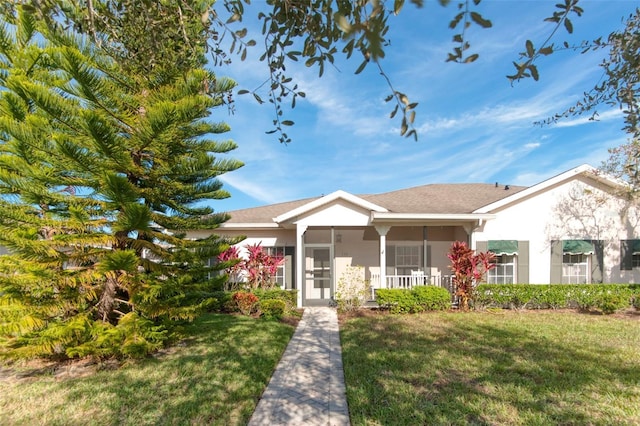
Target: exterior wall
x: 338, y: 213
x: 352, y: 249
x: 268, y: 238
x: 579, y: 209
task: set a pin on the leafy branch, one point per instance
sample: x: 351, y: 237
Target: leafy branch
x: 560, y: 17
x: 466, y: 16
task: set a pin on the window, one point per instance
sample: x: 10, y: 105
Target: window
x: 575, y: 268
x: 279, y: 277
x: 505, y: 270
x: 629, y: 254
x: 407, y: 259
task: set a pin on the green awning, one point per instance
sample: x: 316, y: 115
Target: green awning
x: 577, y: 247
x: 635, y: 247
x: 503, y: 247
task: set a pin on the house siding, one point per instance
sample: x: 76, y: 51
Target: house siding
x: 582, y: 208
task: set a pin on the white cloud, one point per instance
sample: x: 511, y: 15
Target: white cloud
x: 610, y: 114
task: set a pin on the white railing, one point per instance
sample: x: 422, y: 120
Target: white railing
x: 409, y: 281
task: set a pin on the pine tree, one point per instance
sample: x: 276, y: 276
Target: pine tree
x: 98, y: 162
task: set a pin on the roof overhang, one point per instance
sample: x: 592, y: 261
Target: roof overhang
x: 270, y: 225
x: 328, y: 199
x: 440, y: 219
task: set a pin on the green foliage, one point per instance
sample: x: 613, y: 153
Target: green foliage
x: 606, y: 298
x: 272, y: 308
x: 289, y: 297
x: 636, y: 301
x: 352, y: 289
x: 102, y: 168
x: 432, y: 298
x: 418, y: 299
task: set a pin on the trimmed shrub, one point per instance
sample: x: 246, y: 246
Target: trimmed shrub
x: 273, y: 308
x: 418, y: 299
x: 289, y: 297
x: 609, y: 303
x: 399, y: 301
x: 607, y: 298
x: 432, y: 298
x: 636, y: 301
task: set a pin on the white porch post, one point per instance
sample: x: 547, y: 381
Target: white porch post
x: 382, y: 231
x: 300, y: 261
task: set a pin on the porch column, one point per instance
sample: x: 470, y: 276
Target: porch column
x: 470, y: 237
x: 300, y: 272
x: 382, y: 231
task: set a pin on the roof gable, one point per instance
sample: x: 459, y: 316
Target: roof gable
x: 583, y: 170
x: 326, y: 200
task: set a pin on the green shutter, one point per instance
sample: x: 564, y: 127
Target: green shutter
x: 597, y: 262
x: 626, y: 255
x: 523, y: 262
x: 556, y: 262
x: 627, y: 249
x: 289, y: 267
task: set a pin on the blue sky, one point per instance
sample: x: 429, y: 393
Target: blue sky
x: 473, y: 125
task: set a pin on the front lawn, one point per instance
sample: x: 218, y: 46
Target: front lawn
x: 214, y: 377
x: 504, y: 368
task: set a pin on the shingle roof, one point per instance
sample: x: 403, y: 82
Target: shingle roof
x: 434, y: 198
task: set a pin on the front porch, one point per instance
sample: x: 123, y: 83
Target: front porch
x: 399, y: 257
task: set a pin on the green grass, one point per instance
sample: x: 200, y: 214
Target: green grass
x: 215, y: 378
x: 532, y: 368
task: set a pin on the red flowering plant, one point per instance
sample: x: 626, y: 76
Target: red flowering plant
x: 233, y: 267
x: 468, y: 269
x: 257, y: 270
x: 261, y: 267
x: 245, y: 301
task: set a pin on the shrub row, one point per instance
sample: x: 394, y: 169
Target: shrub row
x: 271, y: 304
x: 418, y: 299
x: 607, y: 298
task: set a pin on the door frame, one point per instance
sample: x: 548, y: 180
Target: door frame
x: 312, y: 301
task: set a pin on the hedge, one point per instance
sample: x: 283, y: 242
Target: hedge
x: 225, y: 303
x: 608, y: 298
x: 418, y: 299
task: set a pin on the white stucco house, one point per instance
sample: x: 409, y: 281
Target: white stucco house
x: 572, y: 228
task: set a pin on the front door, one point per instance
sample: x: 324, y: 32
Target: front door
x: 318, y: 287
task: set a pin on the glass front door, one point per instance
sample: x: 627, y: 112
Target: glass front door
x: 318, y: 276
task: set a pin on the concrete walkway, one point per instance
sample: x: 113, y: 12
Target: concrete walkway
x: 307, y: 387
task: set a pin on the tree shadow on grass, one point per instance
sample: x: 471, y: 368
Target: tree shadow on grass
x: 216, y: 378
x: 439, y: 369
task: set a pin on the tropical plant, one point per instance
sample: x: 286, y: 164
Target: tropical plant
x: 102, y: 168
x: 468, y: 270
x: 245, y: 301
x: 256, y: 271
